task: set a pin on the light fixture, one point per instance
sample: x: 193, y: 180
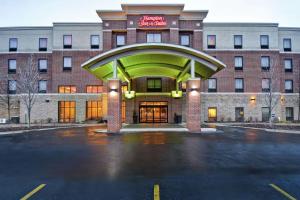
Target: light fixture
x: 113, y: 90
x: 129, y: 94
x: 176, y: 94
x: 252, y: 99
x: 193, y: 89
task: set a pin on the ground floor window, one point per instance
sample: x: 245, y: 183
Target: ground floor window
x: 239, y: 114
x: 123, y: 111
x: 265, y: 114
x: 93, y: 110
x: 212, y: 114
x: 153, y: 112
x: 289, y: 114
x: 66, y: 111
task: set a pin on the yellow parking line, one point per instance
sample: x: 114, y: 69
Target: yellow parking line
x: 30, y: 194
x: 287, y: 195
x: 156, y: 192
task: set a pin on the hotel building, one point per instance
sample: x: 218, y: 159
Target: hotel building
x: 164, y: 64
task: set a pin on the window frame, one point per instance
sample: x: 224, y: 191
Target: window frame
x: 43, y: 48
x: 120, y: 35
x: 95, y: 46
x: 287, y: 69
x: 266, y: 89
x: 239, y: 90
x: 238, y: 46
x: 39, y: 65
x: 67, y: 68
x: 289, y: 49
x: 212, y: 89
x: 9, y: 91
x: 189, y: 39
x: 288, y: 90
x: 9, y: 44
x: 265, y: 68
x: 71, y: 107
x: 89, y: 110
x: 238, y: 68
x: 154, y: 89
x: 39, y: 89
x: 264, y: 46
x: 154, y: 33
x: 99, y: 89
x: 289, y: 118
x: 211, y: 46
x: 64, y: 87
x: 67, y: 46
x: 9, y: 70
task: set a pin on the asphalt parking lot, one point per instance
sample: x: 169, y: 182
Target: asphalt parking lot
x: 81, y: 164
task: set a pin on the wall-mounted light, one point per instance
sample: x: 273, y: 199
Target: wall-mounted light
x: 129, y: 94
x: 252, y: 99
x: 113, y: 90
x: 176, y: 94
x: 193, y: 89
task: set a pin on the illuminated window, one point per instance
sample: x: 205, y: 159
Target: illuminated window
x: 154, y: 85
x: 66, y: 111
x: 13, y: 44
x: 123, y: 111
x: 67, y: 89
x: 211, y: 41
x: 67, y: 41
x: 94, y: 89
x: 124, y: 88
x: 93, y: 110
x: 212, y: 114
x: 183, y: 86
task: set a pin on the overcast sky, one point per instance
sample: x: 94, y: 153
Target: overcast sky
x: 44, y: 12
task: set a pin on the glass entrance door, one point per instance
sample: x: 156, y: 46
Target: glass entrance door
x: 153, y: 112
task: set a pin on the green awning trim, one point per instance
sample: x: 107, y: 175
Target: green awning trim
x: 153, y: 59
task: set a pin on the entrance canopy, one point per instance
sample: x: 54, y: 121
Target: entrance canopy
x: 153, y: 59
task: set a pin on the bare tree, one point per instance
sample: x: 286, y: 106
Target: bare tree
x: 270, y: 96
x: 28, y: 79
x: 5, y: 96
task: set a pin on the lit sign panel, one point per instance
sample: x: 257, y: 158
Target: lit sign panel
x: 150, y: 21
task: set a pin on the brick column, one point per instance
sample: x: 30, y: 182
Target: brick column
x: 107, y: 40
x: 131, y: 36
x: 193, y: 104
x: 114, y: 101
x: 198, y: 40
x: 174, y: 35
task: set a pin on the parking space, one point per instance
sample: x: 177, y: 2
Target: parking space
x: 81, y: 164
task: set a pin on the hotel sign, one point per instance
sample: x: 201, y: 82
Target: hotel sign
x: 152, y: 21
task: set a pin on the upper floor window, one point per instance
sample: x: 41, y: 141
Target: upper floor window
x: 67, y: 63
x: 13, y: 44
x: 265, y: 62
x: 43, y: 44
x: 238, y: 41
x: 12, y: 66
x: 154, y: 85
x: 238, y: 63
x: 288, y: 65
x: 66, y: 89
x: 43, y: 65
x: 185, y: 40
x: 265, y: 85
x: 120, y: 40
x: 42, y: 86
x: 12, y: 86
x: 239, y: 85
x: 94, y: 89
x: 67, y: 41
x: 287, y: 44
x: 212, y: 85
x: 211, y: 41
x: 288, y: 85
x: 153, y: 37
x: 95, y: 41
x: 264, y: 41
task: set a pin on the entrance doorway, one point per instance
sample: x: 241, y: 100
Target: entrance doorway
x: 239, y: 114
x: 153, y: 112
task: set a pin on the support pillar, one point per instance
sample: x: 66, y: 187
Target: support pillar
x: 114, y: 101
x: 193, y: 109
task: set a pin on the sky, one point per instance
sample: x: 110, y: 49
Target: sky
x: 45, y: 12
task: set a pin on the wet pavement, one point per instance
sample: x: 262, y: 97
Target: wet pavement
x: 80, y: 164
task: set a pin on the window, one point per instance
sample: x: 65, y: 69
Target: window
x: 288, y: 85
x: 183, y: 86
x: 66, y: 111
x: 43, y: 86
x: 153, y: 37
x: 43, y: 44
x: 67, y: 41
x: 43, y: 65
x: 212, y: 114
x: 265, y: 62
x: 13, y: 44
x: 12, y: 87
x: 238, y: 41
x: 185, y: 40
x: 238, y: 63
x: 93, y: 110
x: 211, y: 41
x: 264, y: 41
x: 94, y: 89
x: 12, y: 66
x: 265, y: 112
x: 124, y: 88
x: 67, y: 64
x: 95, y: 41
x: 120, y: 40
x: 265, y: 85
x: 287, y: 44
x: 288, y: 65
x: 239, y: 85
x: 123, y: 111
x: 289, y: 114
x: 66, y: 89
x: 154, y: 85
x: 212, y: 85
x: 239, y: 114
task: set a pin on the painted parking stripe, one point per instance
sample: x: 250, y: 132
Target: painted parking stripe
x: 287, y: 195
x: 30, y: 194
x: 156, y: 192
